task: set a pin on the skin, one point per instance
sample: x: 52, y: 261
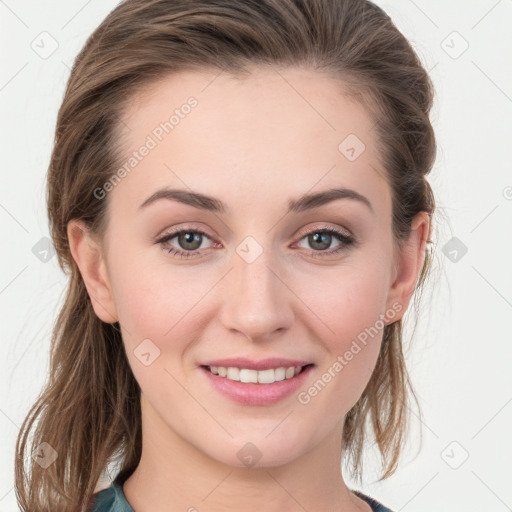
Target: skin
x: 254, y: 143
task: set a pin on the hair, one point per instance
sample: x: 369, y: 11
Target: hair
x: 89, y: 410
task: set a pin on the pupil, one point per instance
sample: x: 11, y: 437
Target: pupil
x: 324, y: 239
x: 190, y: 238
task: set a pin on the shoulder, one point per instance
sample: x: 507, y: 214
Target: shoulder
x: 111, y: 499
x: 376, y: 505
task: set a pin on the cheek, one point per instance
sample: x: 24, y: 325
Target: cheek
x: 352, y: 304
x: 138, y: 299
x: 158, y: 303
x: 358, y: 304
x: 349, y: 300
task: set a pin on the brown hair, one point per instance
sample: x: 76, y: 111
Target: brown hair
x: 89, y: 411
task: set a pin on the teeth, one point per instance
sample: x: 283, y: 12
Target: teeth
x: 279, y: 374
x: 255, y: 376
x: 233, y: 373
x: 266, y: 376
x: 249, y: 375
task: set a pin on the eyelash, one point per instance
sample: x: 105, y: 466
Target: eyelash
x: 346, y: 240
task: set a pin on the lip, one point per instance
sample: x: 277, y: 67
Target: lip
x: 257, y: 394
x: 251, y: 364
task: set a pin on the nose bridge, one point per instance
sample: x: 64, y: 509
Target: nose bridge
x: 257, y: 301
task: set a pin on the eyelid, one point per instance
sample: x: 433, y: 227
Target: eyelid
x: 306, y: 231
x: 172, y: 232
x: 336, y: 231
x: 298, y: 236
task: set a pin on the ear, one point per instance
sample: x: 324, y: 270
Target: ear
x: 87, y: 253
x: 408, y: 264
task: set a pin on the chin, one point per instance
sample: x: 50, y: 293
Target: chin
x: 258, y: 452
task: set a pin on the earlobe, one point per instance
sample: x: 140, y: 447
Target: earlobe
x: 87, y: 254
x: 410, y: 261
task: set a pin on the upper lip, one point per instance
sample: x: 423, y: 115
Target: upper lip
x: 251, y: 364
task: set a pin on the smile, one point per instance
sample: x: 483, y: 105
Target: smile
x: 248, y: 386
x: 247, y: 375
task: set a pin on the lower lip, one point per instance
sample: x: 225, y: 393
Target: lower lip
x: 249, y: 393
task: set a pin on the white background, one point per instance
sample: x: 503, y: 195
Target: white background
x: 460, y: 356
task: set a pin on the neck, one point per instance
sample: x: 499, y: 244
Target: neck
x: 174, y: 475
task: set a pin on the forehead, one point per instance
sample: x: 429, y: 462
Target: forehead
x: 272, y: 132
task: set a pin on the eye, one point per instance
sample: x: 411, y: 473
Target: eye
x: 321, y: 239
x: 189, y: 242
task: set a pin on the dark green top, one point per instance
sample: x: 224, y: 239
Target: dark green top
x: 113, y: 499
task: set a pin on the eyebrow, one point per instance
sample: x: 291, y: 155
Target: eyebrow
x: 212, y: 204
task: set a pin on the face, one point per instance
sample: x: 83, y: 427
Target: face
x: 254, y: 271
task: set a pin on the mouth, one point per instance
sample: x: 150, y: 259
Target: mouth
x: 269, y: 383
x: 252, y: 376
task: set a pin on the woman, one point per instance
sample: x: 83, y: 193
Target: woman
x: 238, y: 191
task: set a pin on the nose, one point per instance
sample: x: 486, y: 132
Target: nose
x: 257, y: 301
